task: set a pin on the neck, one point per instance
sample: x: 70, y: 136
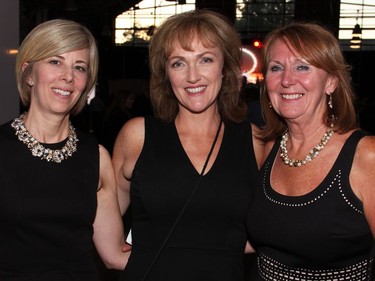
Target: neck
x: 312, y: 152
x: 198, y: 124
x: 46, y: 129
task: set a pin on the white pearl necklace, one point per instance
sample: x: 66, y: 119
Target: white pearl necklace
x: 38, y: 150
x: 312, y: 153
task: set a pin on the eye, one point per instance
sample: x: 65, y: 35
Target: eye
x: 303, y: 67
x: 54, y: 61
x: 80, y: 68
x: 275, y: 68
x: 207, y: 60
x: 177, y: 64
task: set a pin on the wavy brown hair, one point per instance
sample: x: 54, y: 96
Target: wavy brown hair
x: 214, y: 30
x: 318, y: 46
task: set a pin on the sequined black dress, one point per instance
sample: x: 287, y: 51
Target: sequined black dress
x: 322, y: 235
x: 46, y: 212
x: 208, y: 242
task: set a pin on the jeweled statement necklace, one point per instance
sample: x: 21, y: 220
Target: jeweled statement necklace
x: 312, y: 153
x: 38, y: 150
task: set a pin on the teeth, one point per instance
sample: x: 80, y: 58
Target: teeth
x: 290, y: 97
x: 195, y: 90
x: 61, y: 92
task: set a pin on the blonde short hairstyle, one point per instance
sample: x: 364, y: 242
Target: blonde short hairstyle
x: 51, y: 38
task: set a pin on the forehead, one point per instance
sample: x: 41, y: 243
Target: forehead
x: 81, y: 55
x: 189, y: 37
x: 282, y: 48
x: 194, y: 45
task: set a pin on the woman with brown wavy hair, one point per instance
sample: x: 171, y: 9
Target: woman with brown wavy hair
x: 188, y: 172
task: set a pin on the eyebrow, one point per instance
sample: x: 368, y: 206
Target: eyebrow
x: 77, y: 61
x: 197, y: 56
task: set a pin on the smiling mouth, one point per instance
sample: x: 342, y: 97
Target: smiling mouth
x: 291, y: 97
x: 195, y: 90
x: 62, y: 92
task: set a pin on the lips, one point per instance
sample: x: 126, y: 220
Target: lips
x: 292, y: 97
x: 195, y: 89
x: 62, y: 92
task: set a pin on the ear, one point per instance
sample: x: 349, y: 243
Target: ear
x: 24, y: 65
x: 29, y: 80
x: 332, y: 84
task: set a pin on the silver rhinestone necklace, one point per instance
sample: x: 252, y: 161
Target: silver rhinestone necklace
x: 312, y: 153
x: 38, y: 150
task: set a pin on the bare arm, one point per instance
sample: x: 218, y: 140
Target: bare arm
x: 108, y: 227
x: 362, y: 178
x: 127, y: 149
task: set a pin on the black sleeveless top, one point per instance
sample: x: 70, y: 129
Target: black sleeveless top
x: 46, y: 211
x: 314, y: 234
x: 208, y: 242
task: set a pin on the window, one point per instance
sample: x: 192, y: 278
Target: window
x: 255, y: 18
x: 135, y: 26
x: 360, y: 12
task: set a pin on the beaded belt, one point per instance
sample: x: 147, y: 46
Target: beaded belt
x: 271, y: 270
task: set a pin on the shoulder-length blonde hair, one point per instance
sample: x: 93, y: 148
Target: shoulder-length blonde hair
x: 318, y: 46
x: 213, y: 30
x: 51, y: 38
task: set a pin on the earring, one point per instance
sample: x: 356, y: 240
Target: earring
x: 330, y: 101
x: 270, y: 104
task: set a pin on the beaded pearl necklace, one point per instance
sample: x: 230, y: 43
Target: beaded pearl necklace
x: 38, y: 150
x: 312, y: 153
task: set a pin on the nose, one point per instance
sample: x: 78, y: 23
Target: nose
x: 193, y: 74
x: 288, y: 78
x: 68, y: 75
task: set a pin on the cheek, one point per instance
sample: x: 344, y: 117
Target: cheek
x: 219, y: 82
x: 219, y: 77
x: 310, y: 83
x: 271, y: 82
x: 81, y: 82
x: 175, y: 79
x: 41, y: 79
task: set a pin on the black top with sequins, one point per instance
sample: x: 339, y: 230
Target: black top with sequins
x: 313, y: 235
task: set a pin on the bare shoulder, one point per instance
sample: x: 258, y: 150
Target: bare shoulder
x: 103, y: 154
x: 365, y: 153
x: 130, y: 137
x: 128, y: 146
x: 362, y: 175
x: 134, y: 128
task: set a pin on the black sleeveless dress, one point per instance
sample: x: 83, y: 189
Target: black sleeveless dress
x: 322, y: 235
x: 208, y: 242
x: 46, y: 212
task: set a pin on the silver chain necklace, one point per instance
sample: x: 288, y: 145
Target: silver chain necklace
x: 38, y: 150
